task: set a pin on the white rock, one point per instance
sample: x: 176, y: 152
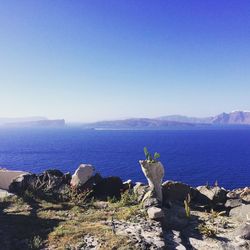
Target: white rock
x: 129, y: 182
x: 82, y: 174
x: 154, y: 173
x: 4, y: 193
x: 155, y: 213
x: 7, y: 176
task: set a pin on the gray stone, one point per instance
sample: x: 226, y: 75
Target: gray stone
x: 175, y: 217
x: 241, y: 213
x: 216, y: 195
x: 154, y: 173
x: 140, y: 190
x: 144, y: 234
x: 245, y: 195
x: 149, y: 200
x: 243, y: 231
x: 155, y: 213
x: 231, y: 203
x: 234, y: 194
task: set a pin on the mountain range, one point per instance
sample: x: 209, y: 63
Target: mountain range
x: 163, y: 122
x: 223, y: 119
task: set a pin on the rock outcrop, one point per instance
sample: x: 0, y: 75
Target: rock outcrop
x: 49, y: 184
x: 109, y: 187
x: 82, y: 175
x: 154, y: 173
x: 7, y: 177
x: 217, y: 195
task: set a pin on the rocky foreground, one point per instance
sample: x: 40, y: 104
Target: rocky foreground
x: 53, y: 210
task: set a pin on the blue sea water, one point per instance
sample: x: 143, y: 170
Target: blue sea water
x: 191, y: 156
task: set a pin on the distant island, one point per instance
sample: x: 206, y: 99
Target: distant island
x: 174, y: 121
x: 31, y: 122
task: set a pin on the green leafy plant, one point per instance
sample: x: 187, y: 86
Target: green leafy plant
x: 187, y: 205
x: 149, y: 157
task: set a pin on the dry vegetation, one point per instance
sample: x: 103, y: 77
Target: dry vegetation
x: 35, y: 223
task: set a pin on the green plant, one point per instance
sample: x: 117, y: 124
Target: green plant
x: 215, y: 215
x: 149, y: 157
x: 128, y: 198
x: 36, y: 242
x: 111, y: 199
x: 207, y: 230
x: 187, y: 205
x: 76, y: 196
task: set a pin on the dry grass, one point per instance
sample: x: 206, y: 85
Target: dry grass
x: 63, y: 225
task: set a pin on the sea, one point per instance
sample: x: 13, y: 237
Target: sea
x: 193, y: 156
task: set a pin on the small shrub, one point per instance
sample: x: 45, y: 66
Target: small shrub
x: 112, y: 199
x: 36, y: 242
x: 77, y: 197
x: 128, y: 198
x: 215, y: 215
x: 207, y: 231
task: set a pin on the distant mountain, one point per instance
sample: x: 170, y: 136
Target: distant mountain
x: 32, y: 123
x: 22, y: 119
x: 182, y: 118
x: 174, y: 121
x: 233, y: 118
x: 137, y: 123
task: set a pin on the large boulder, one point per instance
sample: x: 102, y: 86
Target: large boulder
x: 177, y: 192
x: 217, y: 195
x: 241, y: 213
x: 49, y: 184
x: 22, y: 183
x: 243, y: 231
x: 7, y: 177
x: 154, y: 172
x: 83, y: 173
x: 108, y: 188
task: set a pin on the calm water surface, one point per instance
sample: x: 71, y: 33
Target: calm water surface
x: 191, y: 156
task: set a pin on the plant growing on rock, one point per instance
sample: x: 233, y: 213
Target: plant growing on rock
x: 149, y: 157
x: 187, y: 205
x: 207, y: 231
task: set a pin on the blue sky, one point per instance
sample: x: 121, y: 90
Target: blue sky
x: 93, y: 60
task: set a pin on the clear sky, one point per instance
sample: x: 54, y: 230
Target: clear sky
x: 92, y: 60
